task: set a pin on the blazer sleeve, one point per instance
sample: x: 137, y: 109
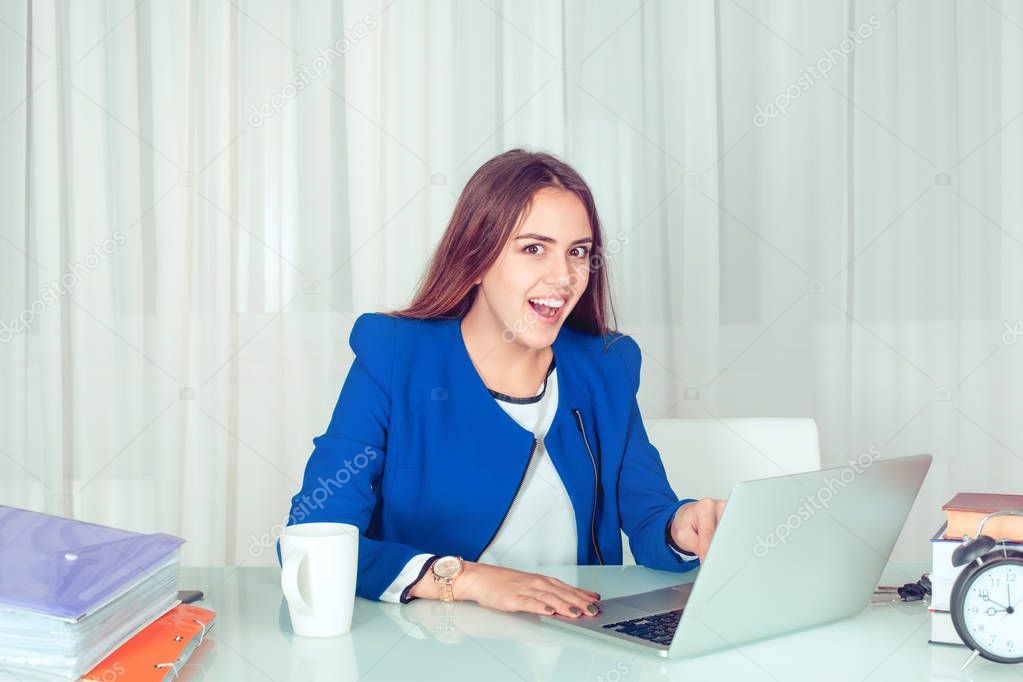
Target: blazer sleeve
x: 341, y: 481
x: 646, y: 502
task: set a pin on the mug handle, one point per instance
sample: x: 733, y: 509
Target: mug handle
x: 289, y: 582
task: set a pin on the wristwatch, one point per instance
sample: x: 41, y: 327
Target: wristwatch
x: 445, y: 570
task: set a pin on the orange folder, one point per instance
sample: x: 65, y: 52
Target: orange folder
x: 159, y: 650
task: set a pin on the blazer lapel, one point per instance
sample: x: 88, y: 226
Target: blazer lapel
x: 565, y: 445
x: 498, y: 448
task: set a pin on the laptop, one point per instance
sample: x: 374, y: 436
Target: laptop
x: 790, y: 552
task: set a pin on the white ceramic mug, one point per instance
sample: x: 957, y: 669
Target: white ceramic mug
x: 320, y: 563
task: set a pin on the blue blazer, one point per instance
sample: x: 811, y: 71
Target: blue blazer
x: 421, y: 458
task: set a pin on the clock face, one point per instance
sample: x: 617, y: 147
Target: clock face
x: 991, y: 609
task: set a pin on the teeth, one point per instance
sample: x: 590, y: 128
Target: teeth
x: 549, y: 302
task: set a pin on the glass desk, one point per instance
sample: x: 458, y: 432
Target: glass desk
x: 429, y: 640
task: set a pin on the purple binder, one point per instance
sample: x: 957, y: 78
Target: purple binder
x: 66, y: 568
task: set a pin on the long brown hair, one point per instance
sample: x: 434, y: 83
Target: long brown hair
x: 489, y: 208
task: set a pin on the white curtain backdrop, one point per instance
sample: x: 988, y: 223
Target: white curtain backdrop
x: 200, y: 197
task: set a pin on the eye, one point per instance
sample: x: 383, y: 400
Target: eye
x: 532, y: 253
x: 584, y: 251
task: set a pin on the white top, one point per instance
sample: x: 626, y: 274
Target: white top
x: 542, y: 498
x: 539, y: 528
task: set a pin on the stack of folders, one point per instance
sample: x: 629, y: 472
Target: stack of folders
x: 73, y: 592
x: 963, y: 514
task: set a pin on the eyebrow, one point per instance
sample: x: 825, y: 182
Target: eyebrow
x: 549, y: 240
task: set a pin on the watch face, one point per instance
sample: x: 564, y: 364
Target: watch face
x: 446, y: 566
x: 989, y: 606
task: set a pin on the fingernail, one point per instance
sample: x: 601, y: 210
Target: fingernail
x: 575, y: 611
x: 549, y: 609
x: 592, y: 608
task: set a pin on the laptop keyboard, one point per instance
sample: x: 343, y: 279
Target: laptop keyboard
x: 658, y: 628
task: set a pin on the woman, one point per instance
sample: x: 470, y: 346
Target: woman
x: 495, y: 421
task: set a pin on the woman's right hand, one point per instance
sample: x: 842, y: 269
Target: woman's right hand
x: 506, y: 589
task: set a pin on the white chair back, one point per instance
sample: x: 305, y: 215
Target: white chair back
x: 706, y: 457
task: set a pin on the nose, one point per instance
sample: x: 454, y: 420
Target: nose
x: 559, y: 273
x: 564, y: 276
x: 560, y: 281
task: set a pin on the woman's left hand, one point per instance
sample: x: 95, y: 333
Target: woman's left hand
x: 694, y: 524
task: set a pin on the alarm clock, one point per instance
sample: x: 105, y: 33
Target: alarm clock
x: 987, y: 597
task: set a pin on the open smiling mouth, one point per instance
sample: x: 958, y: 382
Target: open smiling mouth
x: 548, y: 309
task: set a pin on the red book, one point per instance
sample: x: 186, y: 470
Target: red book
x: 965, y: 510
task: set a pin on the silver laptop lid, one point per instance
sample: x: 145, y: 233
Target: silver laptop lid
x: 795, y: 551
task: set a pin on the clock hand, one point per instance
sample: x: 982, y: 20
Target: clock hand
x: 1002, y: 607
